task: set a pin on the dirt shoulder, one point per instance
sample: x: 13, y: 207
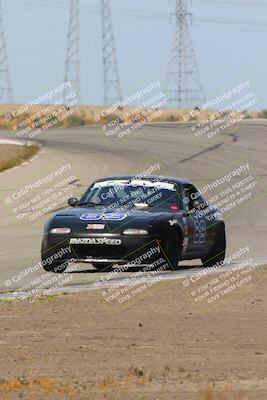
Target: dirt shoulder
x: 159, y: 345
x: 12, y: 155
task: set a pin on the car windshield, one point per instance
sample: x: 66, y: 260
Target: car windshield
x: 134, y: 193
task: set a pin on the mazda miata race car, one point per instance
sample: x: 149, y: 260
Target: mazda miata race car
x: 119, y: 218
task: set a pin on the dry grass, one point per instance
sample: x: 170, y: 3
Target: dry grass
x: 20, y: 154
x: 91, y: 115
x: 228, y: 393
x: 45, y: 384
x: 133, y: 376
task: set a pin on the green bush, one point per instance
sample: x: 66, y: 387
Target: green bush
x: 263, y: 114
x: 75, y: 120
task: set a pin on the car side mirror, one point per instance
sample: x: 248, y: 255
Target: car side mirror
x: 196, y: 205
x: 199, y: 205
x: 73, y: 201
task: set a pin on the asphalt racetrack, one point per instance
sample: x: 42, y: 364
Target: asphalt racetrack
x: 87, y: 153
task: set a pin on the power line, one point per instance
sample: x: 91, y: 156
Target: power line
x: 118, y: 12
x: 32, y: 2
x: 232, y: 3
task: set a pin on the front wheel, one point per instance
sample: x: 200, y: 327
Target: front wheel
x: 57, y: 268
x: 174, y: 249
x: 217, y: 253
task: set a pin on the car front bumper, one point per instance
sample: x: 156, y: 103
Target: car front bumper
x: 100, y: 248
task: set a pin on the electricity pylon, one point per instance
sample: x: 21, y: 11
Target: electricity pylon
x: 6, y: 94
x: 183, y: 85
x: 72, y: 66
x: 112, y: 89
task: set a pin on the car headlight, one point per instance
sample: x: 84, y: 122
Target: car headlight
x: 135, y: 232
x: 60, y: 231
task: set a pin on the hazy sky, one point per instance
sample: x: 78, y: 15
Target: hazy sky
x: 229, y: 38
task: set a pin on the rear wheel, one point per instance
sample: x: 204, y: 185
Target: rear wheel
x: 217, y: 253
x: 174, y: 249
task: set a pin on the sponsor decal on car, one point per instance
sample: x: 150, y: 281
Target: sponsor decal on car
x: 106, y: 217
x: 96, y: 241
x: 91, y: 217
x: 95, y: 226
x: 114, y: 217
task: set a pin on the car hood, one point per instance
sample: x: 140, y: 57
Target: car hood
x: 81, y: 216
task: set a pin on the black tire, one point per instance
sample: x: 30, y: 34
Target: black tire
x: 56, y: 267
x: 173, y: 250
x: 104, y: 267
x: 217, y: 253
x: 47, y: 256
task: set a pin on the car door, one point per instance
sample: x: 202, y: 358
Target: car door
x: 197, y: 214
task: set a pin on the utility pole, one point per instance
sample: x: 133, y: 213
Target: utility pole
x: 112, y: 89
x: 183, y: 84
x: 6, y: 94
x: 72, y: 66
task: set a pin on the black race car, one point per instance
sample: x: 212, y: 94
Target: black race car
x: 119, y: 218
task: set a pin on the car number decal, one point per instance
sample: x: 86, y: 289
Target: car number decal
x: 200, y: 232
x: 91, y: 217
